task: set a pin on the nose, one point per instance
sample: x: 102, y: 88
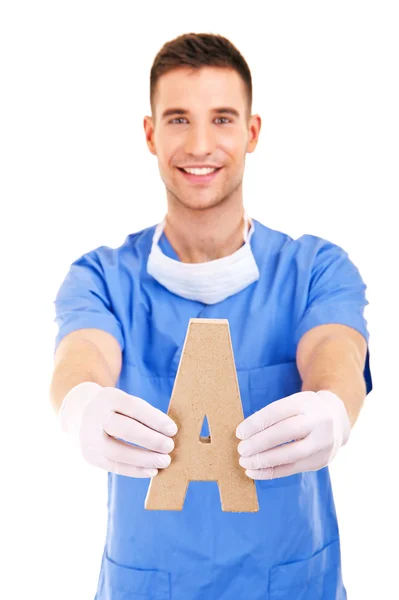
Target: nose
x: 200, y: 141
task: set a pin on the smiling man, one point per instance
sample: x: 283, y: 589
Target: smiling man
x: 200, y: 131
x: 295, y: 310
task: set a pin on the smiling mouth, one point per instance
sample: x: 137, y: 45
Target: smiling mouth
x: 198, y: 179
x: 200, y: 175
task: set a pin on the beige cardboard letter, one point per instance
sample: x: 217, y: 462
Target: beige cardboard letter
x: 206, y: 385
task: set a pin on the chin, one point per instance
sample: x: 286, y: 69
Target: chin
x: 197, y: 203
x: 202, y: 204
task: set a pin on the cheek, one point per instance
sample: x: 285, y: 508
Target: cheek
x: 166, y: 147
x: 232, y: 145
x: 170, y: 154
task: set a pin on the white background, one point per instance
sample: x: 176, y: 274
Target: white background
x: 76, y: 174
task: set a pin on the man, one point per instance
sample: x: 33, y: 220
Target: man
x: 295, y: 311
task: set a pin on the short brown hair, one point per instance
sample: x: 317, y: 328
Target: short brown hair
x: 196, y: 50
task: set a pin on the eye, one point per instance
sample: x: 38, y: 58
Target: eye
x: 173, y: 121
x: 176, y: 119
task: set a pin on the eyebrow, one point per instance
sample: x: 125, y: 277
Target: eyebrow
x: 229, y: 110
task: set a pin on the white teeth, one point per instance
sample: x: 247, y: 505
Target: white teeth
x: 203, y: 171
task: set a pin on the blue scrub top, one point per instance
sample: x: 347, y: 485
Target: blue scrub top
x: 290, y: 548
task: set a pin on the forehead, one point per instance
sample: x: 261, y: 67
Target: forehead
x: 199, y: 88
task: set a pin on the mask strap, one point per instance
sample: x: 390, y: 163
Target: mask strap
x: 245, y: 231
x: 158, y: 232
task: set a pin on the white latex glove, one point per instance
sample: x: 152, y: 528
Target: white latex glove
x: 94, y: 416
x: 315, y: 423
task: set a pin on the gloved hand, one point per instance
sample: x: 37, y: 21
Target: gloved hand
x: 316, y: 424
x: 99, y: 418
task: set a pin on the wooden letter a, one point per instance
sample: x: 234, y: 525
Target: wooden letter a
x: 205, y: 385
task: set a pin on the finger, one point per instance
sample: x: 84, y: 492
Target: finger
x: 293, y: 428
x: 285, y: 454
x: 118, y: 451
x: 98, y: 460
x: 142, y: 411
x: 269, y: 415
x: 133, y: 432
x: 312, y: 463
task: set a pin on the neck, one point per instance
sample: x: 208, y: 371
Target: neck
x: 201, y: 236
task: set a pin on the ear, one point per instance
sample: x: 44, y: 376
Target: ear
x: 255, y: 124
x: 149, y: 133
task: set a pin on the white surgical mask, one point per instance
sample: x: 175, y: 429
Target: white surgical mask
x: 208, y: 282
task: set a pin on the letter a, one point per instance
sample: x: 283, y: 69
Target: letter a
x: 206, y: 385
